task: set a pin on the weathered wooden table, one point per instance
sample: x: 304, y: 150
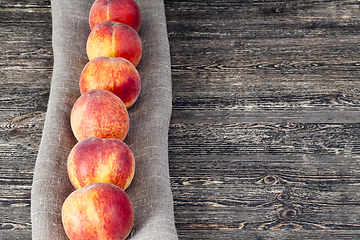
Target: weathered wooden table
x: 264, y: 137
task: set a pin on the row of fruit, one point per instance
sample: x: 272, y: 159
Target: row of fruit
x: 101, y: 166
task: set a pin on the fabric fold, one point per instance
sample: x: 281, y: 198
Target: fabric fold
x: 150, y: 190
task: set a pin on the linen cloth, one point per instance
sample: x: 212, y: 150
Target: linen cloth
x: 150, y: 190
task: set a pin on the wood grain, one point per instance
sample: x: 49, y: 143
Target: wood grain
x: 263, y: 140
x: 272, y: 62
x: 264, y: 136
x: 25, y: 71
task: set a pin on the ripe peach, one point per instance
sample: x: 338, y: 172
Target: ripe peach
x: 99, y: 113
x: 113, y: 39
x: 95, y: 159
x: 124, y: 11
x: 98, y: 211
x: 114, y: 74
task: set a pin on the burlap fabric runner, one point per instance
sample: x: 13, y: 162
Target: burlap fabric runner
x: 150, y: 190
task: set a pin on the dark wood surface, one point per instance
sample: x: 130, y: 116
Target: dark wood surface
x: 264, y: 136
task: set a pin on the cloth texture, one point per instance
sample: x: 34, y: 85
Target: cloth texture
x: 150, y: 190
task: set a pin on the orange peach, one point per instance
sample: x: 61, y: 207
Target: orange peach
x: 98, y: 211
x: 113, y: 39
x: 114, y: 74
x: 95, y: 159
x: 124, y: 11
x: 99, y: 113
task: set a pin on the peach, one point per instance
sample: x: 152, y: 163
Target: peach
x: 99, y: 113
x: 98, y: 211
x: 124, y: 11
x: 95, y: 159
x: 114, y: 74
x: 113, y: 39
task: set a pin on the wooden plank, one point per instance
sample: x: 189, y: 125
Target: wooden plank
x: 25, y: 69
x: 288, y: 232
x: 233, y: 10
x: 254, y: 139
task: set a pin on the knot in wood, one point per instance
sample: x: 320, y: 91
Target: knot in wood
x: 335, y: 95
x: 282, y: 197
x: 270, y: 179
x: 14, y: 132
x: 289, y: 214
